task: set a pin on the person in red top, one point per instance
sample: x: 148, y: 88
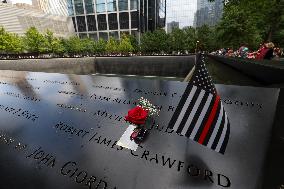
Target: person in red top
x: 265, y: 51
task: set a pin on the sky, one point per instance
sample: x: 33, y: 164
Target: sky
x: 22, y: 1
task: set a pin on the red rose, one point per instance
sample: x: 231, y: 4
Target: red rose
x: 137, y: 116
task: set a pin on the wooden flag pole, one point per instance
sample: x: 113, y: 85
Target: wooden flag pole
x: 189, y: 75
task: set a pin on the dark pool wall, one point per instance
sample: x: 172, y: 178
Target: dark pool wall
x: 265, y: 71
x: 170, y: 66
x: 56, y: 65
x: 175, y: 66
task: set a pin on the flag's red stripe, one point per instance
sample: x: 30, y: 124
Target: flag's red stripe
x: 209, y: 121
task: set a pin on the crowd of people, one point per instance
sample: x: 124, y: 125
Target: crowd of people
x: 266, y: 51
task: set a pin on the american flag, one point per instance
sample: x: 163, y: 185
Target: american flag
x: 200, y: 114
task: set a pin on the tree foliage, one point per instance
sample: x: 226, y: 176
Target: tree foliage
x: 35, y: 41
x: 111, y: 46
x: 134, y: 42
x: 100, y: 46
x: 74, y: 46
x: 88, y: 46
x: 190, y: 39
x: 252, y: 22
x: 155, y: 42
x: 16, y: 44
x: 10, y: 42
x: 54, y: 45
x: 243, y: 22
x: 125, y: 46
x: 176, y: 40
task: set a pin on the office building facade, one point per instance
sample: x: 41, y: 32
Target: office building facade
x: 111, y: 18
x: 17, y: 19
x: 54, y: 7
x: 208, y: 13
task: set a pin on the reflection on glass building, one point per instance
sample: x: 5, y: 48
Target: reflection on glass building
x: 111, y: 18
x: 54, y: 7
x: 208, y: 13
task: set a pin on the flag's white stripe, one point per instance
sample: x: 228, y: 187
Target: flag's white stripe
x: 185, y: 106
x: 192, y: 113
x: 217, y: 126
x: 222, y: 138
x: 201, y: 116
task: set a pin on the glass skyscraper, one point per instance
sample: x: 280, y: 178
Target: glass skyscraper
x: 54, y: 7
x: 208, y: 13
x: 111, y: 18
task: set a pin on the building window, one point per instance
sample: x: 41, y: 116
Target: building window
x: 111, y: 5
x: 123, y: 5
x: 89, y: 6
x: 100, y: 6
x: 124, y: 33
x: 162, y: 8
x: 93, y: 36
x: 102, y: 24
x: 91, y: 22
x: 74, y: 23
x: 135, y: 33
x: 70, y: 8
x: 133, y: 4
x: 151, y: 9
x: 114, y: 34
x: 112, y: 21
x: 83, y: 35
x: 124, y: 20
x: 81, y: 23
x: 103, y: 35
x: 79, y: 9
x: 134, y: 19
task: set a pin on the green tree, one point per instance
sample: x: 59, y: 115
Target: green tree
x: 263, y: 20
x: 112, y: 46
x: 276, y: 20
x: 237, y: 28
x: 125, y: 45
x: 203, y: 36
x: 161, y: 39
x: 16, y: 44
x: 146, y: 42
x: 100, y: 47
x: 49, y: 41
x: 155, y: 42
x: 88, y: 46
x: 4, y: 40
x: 58, y: 47
x: 74, y: 46
x: 134, y: 43
x: 177, y: 40
x: 190, y: 39
x: 65, y: 46
x: 10, y: 42
x: 35, y: 42
x: 53, y: 44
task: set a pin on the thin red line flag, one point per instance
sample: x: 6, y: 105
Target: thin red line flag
x: 200, y: 114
